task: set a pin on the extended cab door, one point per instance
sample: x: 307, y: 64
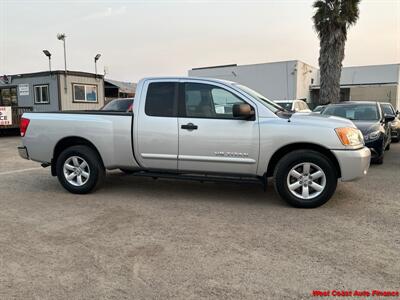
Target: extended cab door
x: 156, y: 126
x: 210, y: 138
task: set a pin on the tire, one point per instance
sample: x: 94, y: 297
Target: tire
x: 297, y: 161
x: 378, y: 160
x: 126, y: 171
x: 92, y: 173
x: 388, y: 147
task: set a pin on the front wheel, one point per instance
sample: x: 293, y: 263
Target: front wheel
x: 79, y: 169
x: 305, y: 178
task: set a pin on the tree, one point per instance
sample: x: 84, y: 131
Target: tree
x: 332, y: 19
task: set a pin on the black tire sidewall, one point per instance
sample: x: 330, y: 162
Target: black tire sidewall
x: 96, y: 169
x: 301, y: 156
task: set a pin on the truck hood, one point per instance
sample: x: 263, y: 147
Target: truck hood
x: 316, y: 119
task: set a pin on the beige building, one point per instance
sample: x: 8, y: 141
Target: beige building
x: 366, y: 83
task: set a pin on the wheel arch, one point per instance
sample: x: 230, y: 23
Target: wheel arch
x: 67, y: 142
x: 281, y: 152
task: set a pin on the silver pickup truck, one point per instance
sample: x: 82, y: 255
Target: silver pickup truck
x: 202, y: 129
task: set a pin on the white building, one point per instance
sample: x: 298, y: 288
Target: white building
x: 298, y: 80
x: 277, y: 80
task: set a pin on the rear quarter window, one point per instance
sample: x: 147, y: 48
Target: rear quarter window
x: 161, y: 99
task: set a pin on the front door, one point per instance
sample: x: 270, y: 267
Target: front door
x: 210, y: 138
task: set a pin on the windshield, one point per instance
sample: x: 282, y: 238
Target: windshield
x: 357, y: 112
x: 268, y: 103
x: 122, y: 105
x: 285, y: 105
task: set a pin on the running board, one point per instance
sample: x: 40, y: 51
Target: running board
x: 204, y: 178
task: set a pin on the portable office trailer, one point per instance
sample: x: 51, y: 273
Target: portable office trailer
x: 48, y: 91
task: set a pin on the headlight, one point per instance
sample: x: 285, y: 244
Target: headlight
x: 372, y: 135
x: 350, y: 136
x: 395, y: 123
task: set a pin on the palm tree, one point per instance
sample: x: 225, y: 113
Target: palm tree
x: 332, y: 19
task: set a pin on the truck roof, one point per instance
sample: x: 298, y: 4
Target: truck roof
x: 188, y: 77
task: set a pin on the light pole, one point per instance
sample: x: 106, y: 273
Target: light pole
x: 61, y: 37
x: 96, y: 58
x: 48, y: 54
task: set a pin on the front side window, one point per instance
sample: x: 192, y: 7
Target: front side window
x: 85, y: 93
x: 274, y: 107
x: 41, y: 94
x: 161, y: 99
x: 209, y: 101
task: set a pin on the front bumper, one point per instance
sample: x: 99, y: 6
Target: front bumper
x: 376, y: 147
x: 353, y: 164
x: 23, y: 152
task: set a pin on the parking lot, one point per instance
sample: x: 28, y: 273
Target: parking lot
x: 143, y: 238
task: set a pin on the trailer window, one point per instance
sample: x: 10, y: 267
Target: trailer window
x: 42, y: 94
x: 84, y: 93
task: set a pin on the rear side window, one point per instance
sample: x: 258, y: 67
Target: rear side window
x: 161, y: 99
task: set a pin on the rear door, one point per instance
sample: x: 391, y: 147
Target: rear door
x: 156, y: 128
x: 210, y: 138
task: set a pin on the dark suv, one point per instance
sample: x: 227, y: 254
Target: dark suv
x: 370, y: 119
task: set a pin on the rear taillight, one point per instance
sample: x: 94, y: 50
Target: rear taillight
x: 23, y: 126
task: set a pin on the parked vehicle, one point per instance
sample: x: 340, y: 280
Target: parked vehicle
x: 369, y: 118
x: 294, y: 105
x: 389, y: 110
x: 319, y: 109
x: 203, y: 129
x: 122, y: 105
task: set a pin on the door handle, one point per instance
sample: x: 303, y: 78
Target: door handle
x: 189, y: 126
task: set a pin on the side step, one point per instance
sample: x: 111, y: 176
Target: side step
x: 204, y: 177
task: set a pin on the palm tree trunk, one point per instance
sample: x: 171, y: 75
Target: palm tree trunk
x: 331, y: 56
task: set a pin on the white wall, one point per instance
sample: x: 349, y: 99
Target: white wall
x: 273, y: 80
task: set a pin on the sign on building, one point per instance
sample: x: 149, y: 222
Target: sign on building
x: 5, y: 115
x: 23, y: 89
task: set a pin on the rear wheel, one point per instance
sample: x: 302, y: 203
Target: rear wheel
x: 79, y: 169
x: 305, y: 178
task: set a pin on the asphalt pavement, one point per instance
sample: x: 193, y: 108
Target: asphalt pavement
x: 139, y: 238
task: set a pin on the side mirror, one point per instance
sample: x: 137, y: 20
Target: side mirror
x: 397, y: 112
x: 389, y: 118
x: 242, y: 111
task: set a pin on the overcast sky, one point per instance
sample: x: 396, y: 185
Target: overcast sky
x: 168, y: 37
